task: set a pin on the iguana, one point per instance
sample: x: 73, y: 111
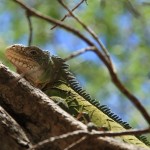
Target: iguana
x: 51, y: 74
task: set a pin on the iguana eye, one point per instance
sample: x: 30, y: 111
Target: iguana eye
x: 14, y: 46
x: 33, y: 52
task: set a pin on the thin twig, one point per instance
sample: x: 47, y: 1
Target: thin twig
x: 76, y: 143
x: 91, y: 32
x: 30, y: 27
x: 146, y: 3
x: 54, y: 21
x: 132, y: 9
x: 69, y: 13
x: 79, y: 52
x: 94, y: 134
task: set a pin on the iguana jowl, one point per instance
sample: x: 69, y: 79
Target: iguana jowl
x: 51, y: 74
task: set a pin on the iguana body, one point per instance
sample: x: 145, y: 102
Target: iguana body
x: 51, y: 74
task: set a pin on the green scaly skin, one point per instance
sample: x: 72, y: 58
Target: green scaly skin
x: 52, y: 76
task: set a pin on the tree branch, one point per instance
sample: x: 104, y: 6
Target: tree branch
x: 68, y: 13
x: 30, y: 27
x: 84, y: 135
x: 89, y: 31
x: 53, y: 21
x: 79, y: 52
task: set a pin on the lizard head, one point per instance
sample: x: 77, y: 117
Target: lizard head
x: 30, y: 61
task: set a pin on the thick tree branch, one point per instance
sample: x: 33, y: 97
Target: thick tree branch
x: 41, y: 118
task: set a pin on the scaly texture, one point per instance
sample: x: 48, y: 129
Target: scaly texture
x: 51, y: 74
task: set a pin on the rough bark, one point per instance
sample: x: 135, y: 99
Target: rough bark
x: 39, y: 118
x: 11, y: 133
